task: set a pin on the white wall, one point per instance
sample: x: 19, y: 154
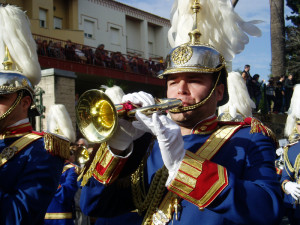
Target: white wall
x: 112, y: 19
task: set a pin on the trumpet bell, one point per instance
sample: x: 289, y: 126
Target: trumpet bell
x: 83, y: 155
x: 96, y: 116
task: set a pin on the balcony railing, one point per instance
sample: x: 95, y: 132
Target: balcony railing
x: 66, y: 50
x: 88, y: 60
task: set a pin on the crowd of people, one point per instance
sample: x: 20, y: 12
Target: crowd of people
x: 277, y: 91
x: 98, y: 57
x: 183, y: 168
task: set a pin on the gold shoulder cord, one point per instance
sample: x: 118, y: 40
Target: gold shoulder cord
x: 297, y: 167
x: 287, y: 164
x: 289, y: 167
x: 148, y: 201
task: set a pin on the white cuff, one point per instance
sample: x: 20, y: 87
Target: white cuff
x: 128, y: 151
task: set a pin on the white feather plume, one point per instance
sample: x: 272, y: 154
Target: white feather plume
x: 59, y: 122
x: 293, y: 112
x: 219, y: 25
x: 239, y: 99
x: 115, y: 93
x: 15, y: 33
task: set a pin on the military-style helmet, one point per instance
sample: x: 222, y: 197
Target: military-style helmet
x: 20, y: 69
x: 195, y: 57
x: 223, y: 34
x: 12, y: 81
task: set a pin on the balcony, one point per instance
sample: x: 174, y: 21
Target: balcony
x: 89, y: 72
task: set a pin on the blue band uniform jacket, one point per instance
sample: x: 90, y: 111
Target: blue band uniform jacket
x: 61, y: 208
x: 291, y: 173
x: 29, y: 174
x: 235, y: 185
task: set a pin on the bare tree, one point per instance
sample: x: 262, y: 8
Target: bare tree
x: 277, y: 37
x: 234, y: 2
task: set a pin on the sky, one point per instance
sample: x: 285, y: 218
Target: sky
x: 257, y: 52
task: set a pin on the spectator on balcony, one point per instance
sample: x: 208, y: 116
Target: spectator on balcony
x: 116, y: 59
x: 99, y: 56
x: 133, y: 64
x: 89, y: 54
x: 44, y: 48
x: 59, y: 51
x: 81, y: 56
x: 107, y: 59
x: 160, y: 67
x: 70, y: 51
x: 146, y: 68
x: 125, y: 65
x: 141, y: 65
x: 51, y: 49
x: 112, y: 56
x: 152, y: 67
x: 38, y: 45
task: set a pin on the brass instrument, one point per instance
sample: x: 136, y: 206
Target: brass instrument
x: 97, y: 116
x: 83, y: 155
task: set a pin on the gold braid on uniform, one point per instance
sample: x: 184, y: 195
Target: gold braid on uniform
x: 257, y: 126
x: 288, y: 166
x: 142, y: 200
x: 89, y: 167
x: 297, y: 167
x: 294, y: 136
x: 57, y: 146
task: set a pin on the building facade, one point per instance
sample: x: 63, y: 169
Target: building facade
x: 92, y: 22
x: 123, y: 28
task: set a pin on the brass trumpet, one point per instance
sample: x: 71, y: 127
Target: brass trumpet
x: 97, y: 116
x: 82, y: 155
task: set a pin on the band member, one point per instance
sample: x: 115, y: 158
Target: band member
x: 31, y: 162
x: 290, y: 174
x: 196, y: 169
x: 62, y: 206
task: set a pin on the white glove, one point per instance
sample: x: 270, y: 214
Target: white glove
x: 124, y: 135
x: 293, y: 189
x: 139, y: 98
x: 169, y: 139
x: 279, y: 151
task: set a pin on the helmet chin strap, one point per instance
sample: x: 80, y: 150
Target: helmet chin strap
x: 13, y: 106
x: 194, y: 106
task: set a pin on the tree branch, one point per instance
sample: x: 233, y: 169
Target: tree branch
x: 234, y: 2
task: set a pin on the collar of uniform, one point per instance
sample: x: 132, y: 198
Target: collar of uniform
x: 206, y: 126
x: 17, y: 131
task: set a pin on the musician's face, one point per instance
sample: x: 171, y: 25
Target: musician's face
x: 19, y: 113
x: 192, y: 88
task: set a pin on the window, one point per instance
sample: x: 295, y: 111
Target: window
x: 57, y: 23
x: 115, y: 36
x: 43, y: 18
x: 150, y: 47
x: 89, y: 28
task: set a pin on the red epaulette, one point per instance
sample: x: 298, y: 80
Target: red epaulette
x: 258, y: 127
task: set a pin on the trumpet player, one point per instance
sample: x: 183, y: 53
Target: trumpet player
x: 30, y: 162
x: 290, y: 174
x: 60, y: 209
x: 196, y: 170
